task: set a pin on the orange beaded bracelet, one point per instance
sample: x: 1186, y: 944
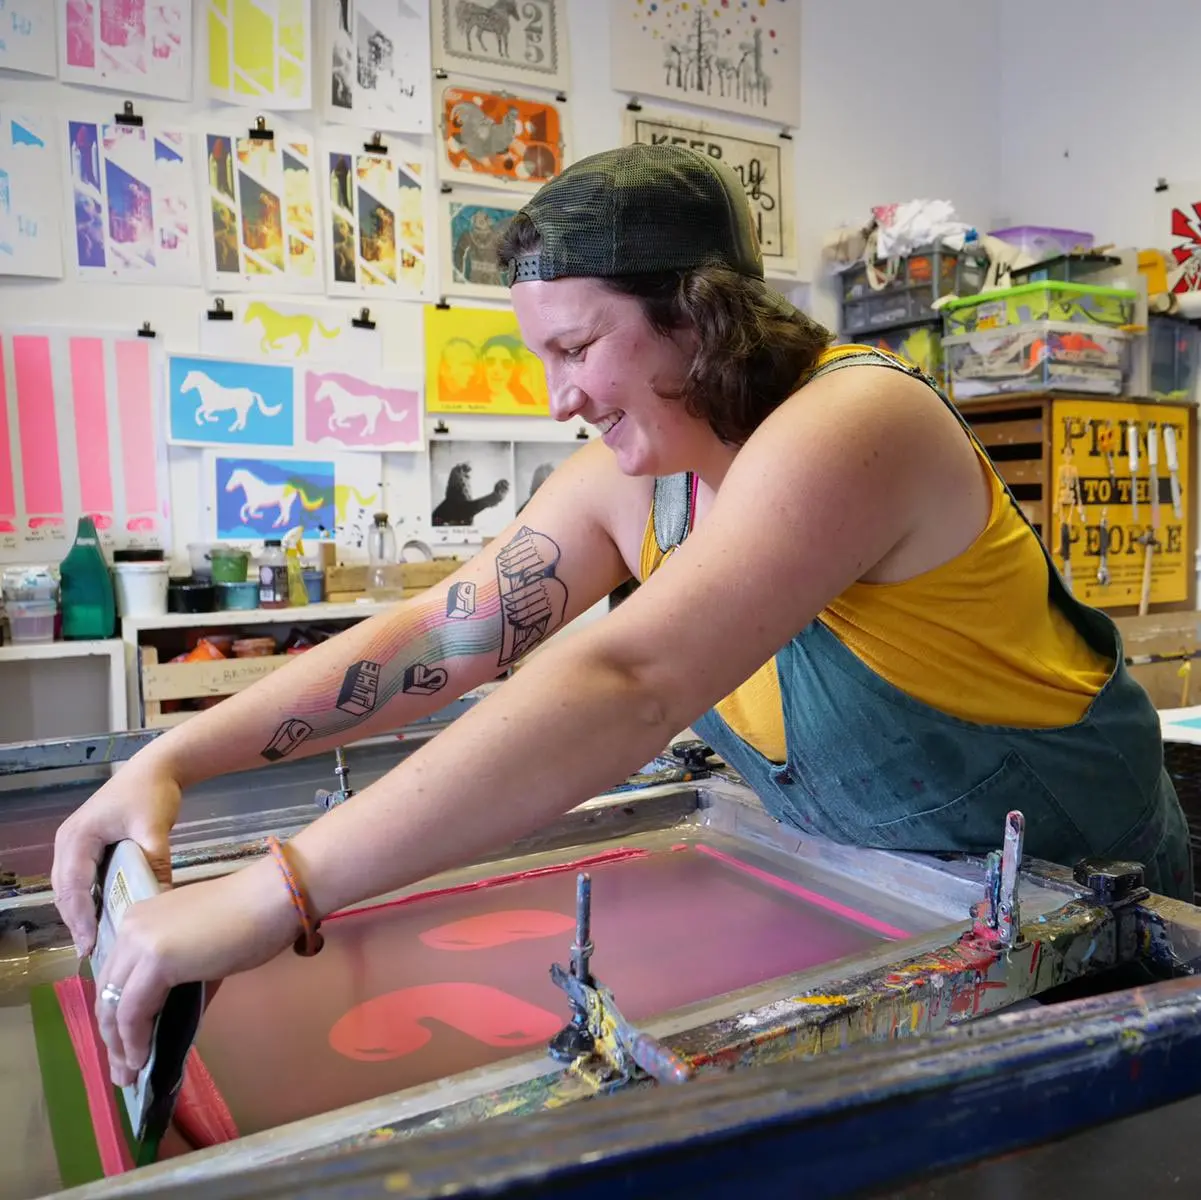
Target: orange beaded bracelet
x: 310, y: 940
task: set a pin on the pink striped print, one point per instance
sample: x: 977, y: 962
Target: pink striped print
x: 91, y: 430
x: 135, y: 407
x: 40, y: 473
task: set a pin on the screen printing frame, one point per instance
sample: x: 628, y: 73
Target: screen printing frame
x: 943, y: 975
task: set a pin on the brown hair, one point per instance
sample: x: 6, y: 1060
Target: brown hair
x: 751, y: 355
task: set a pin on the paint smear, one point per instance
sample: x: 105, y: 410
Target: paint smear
x: 391, y: 1026
x: 39, y: 430
x: 497, y: 929
x: 91, y: 428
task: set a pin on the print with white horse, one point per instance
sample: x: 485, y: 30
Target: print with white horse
x: 216, y: 401
x: 353, y: 411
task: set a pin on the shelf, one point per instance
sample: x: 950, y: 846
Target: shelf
x: 130, y: 626
x: 35, y: 651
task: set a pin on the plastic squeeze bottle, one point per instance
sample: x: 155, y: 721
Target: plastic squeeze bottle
x: 88, y: 602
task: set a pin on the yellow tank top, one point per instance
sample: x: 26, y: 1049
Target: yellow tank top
x: 976, y: 638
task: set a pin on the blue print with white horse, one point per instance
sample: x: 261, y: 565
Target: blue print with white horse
x: 223, y: 402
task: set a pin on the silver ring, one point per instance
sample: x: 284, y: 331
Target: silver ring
x: 111, y: 994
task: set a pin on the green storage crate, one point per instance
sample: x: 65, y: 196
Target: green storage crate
x: 1045, y: 301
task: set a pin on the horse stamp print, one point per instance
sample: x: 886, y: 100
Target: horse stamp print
x: 518, y: 41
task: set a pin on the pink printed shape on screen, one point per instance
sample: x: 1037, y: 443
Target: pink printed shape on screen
x: 359, y: 412
x: 394, y: 1024
x: 490, y: 930
x: 89, y: 395
x: 136, y: 421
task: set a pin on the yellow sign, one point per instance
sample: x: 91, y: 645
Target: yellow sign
x: 476, y: 362
x: 1121, y: 487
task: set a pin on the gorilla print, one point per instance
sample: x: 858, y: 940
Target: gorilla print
x: 471, y: 487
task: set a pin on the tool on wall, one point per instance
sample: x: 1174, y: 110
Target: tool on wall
x: 1169, y: 449
x: 1149, y: 541
x: 1153, y: 470
x: 601, y: 1047
x: 1132, y: 457
x: 1068, y: 497
x: 1107, y: 443
x: 1103, y: 549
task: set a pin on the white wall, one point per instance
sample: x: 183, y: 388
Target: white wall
x: 1094, y: 107
x: 898, y: 100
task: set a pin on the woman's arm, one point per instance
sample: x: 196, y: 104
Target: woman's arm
x: 402, y: 665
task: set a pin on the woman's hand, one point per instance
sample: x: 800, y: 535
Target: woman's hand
x: 198, y: 932
x: 140, y: 802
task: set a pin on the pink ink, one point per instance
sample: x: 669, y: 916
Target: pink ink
x: 136, y: 421
x: 46, y: 522
x: 77, y: 998
x: 201, y: 1114
x: 390, y: 1026
x: 140, y: 525
x: 489, y: 930
x: 359, y: 412
x: 38, y: 428
x: 8, y: 491
x: 591, y: 860
x: 91, y: 428
x: 814, y: 898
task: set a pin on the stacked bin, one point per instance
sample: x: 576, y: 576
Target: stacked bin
x: 30, y: 603
x: 1043, y: 337
x: 901, y: 316
x: 1174, y: 345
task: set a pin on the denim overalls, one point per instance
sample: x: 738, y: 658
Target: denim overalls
x: 869, y: 765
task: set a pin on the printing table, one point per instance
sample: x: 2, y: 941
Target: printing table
x: 849, y: 1019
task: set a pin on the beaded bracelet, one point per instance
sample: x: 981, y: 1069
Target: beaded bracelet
x: 310, y: 940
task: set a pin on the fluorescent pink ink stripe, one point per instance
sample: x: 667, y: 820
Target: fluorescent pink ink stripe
x: 91, y: 426
x: 76, y: 998
x: 8, y: 490
x: 39, y: 427
x: 135, y: 408
x: 795, y: 889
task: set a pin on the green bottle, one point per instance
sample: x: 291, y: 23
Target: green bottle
x: 89, y: 606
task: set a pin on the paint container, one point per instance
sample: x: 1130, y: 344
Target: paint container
x: 191, y: 596
x: 200, y: 558
x: 238, y: 597
x: 314, y: 584
x: 141, y: 588
x: 229, y: 565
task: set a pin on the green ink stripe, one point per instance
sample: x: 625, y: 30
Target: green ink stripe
x: 66, y: 1098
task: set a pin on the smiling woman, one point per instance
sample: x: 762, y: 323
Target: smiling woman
x: 837, y: 591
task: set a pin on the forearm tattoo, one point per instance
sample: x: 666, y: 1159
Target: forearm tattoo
x: 509, y: 617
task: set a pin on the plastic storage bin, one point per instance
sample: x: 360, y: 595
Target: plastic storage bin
x: 1048, y: 301
x: 1046, y: 356
x: 922, y: 278
x: 31, y: 620
x: 1042, y: 241
x: 29, y: 583
x: 920, y: 344
x: 1066, y: 268
x: 1173, y: 346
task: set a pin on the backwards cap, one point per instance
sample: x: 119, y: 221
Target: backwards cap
x: 640, y: 209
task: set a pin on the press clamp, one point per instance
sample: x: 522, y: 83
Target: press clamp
x: 599, y: 1045
x: 997, y: 916
x: 327, y: 799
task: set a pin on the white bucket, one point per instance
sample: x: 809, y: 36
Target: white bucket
x: 141, y: 588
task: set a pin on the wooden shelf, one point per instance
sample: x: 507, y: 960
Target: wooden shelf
x: 360, y: 610
x: 35, y: 651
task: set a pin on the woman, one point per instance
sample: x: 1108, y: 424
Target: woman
x: 837, y: 592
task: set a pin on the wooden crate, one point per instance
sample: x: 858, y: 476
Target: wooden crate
x: 345, y: 584
x: 1026, y: 435
x: 196, y: 681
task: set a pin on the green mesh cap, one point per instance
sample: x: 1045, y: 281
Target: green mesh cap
x: 640, y: 209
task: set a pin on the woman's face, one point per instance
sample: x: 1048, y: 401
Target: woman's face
x: 606, y: 365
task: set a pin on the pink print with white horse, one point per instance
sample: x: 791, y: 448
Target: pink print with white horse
x: 367, y: 412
